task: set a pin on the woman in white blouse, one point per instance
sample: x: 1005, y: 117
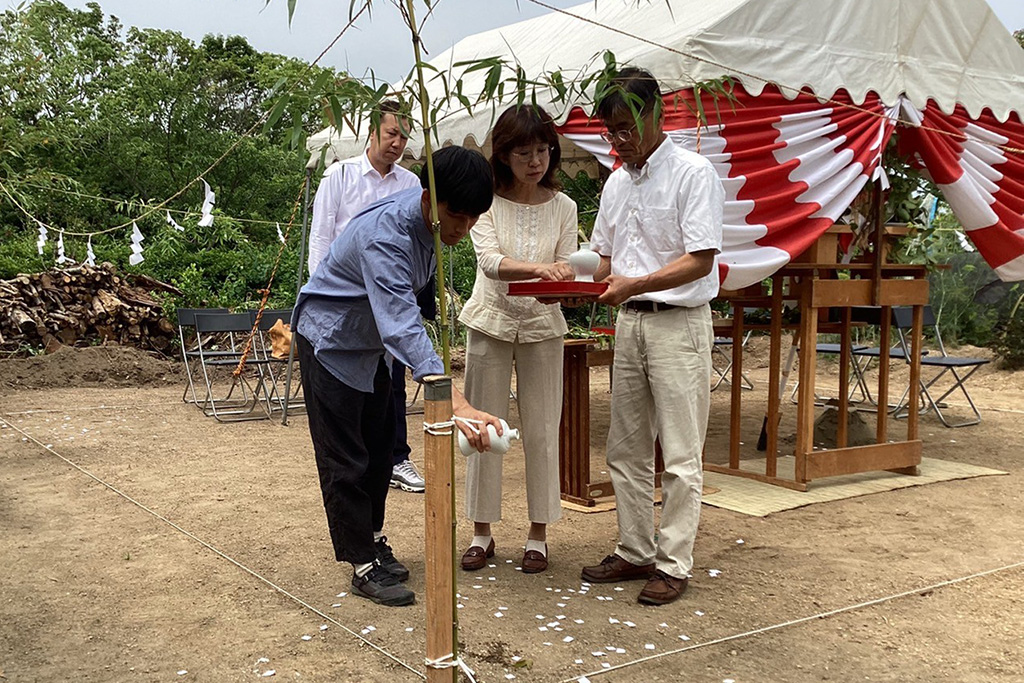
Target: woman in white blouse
x: 528, y: 234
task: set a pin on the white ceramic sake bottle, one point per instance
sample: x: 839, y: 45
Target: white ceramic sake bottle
x: 499, y: 444
x: 585, y: 263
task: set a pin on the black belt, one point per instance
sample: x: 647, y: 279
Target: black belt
x: 649, y: 306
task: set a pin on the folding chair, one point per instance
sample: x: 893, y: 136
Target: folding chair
x: 251, y: 383
x: 718, y: 349
x: 190, y: 354
x: 960, y: 367
x: 276, y: 367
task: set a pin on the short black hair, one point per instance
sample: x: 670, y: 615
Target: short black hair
x: 462, y: 179
x: 631, y: 84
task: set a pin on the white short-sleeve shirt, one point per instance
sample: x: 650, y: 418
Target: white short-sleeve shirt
x: 651, y: 216
x: 347, y: 188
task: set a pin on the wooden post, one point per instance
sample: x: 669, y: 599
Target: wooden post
x: 808, y: 366
x: 884, y: 331
x: 439, y: 457
x: 774, y: 372
x: 842, y: 434
x: 914, y: 393
x: 735, y: 386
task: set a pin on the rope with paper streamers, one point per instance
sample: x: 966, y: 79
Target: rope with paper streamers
x: 209, y: 198
x: 781, y: 86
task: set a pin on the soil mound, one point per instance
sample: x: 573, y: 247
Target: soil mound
x: 91, y: 366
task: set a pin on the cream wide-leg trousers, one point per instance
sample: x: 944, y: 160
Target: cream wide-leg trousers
x: 662, y: 387
x: 539, y: 396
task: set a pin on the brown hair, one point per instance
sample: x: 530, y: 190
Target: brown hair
x: 518, y: 126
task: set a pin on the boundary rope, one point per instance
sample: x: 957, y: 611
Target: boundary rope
x: 794, y: 622
x: 212, y: 548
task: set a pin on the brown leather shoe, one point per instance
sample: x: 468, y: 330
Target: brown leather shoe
x: 613, y: 568
x: 534, y: 561
x: 476, y: 557
x: 662, y: 589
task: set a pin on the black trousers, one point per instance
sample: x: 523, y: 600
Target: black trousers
x: 353, y: 436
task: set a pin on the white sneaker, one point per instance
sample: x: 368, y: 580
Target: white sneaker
x: 404, y: 476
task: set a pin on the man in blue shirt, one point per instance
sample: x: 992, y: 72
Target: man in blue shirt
x: 358, y: 311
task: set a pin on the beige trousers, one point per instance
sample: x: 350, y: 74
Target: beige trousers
x: 662, y: 372
x: 539, y: 396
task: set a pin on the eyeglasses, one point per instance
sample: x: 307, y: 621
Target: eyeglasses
x: 622, y: 136
x: 528, y: 156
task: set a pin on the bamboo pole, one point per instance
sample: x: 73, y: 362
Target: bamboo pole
x: 440, y: 532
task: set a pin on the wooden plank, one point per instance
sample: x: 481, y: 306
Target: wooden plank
x: 870, y: 458
x: 841, y: 293
x: 574, y: 430
x: 600, y: 357
x: 439, y: 570
x: 775, y: 481
x: 903, y: 292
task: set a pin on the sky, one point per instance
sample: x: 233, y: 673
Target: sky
x: 380, y: 41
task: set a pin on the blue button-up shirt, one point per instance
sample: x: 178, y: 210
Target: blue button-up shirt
x: 361, y: 301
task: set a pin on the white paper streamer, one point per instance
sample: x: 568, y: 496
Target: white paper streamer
x: 61, y: 257
x: 41, y: 240
x: 280, y: 235
x: 136, y: 258
x: 90, y: 258
x: 207, y: 209
x: 173, y: 223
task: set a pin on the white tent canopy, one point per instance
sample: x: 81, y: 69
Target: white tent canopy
x: 947, y: 51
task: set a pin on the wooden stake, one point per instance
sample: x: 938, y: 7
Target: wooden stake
x: 439, y: 457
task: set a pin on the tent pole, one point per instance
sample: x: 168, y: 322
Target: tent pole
x: 298, y: 288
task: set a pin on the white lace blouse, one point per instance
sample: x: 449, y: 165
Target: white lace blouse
x: 534, y: 233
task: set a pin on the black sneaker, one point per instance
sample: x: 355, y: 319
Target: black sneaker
x: 386, y: 559
x: 382, y: 587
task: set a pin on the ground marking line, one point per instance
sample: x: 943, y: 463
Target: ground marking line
x: 794, y: 622
x: 99, y: 407
x: 300, y: 601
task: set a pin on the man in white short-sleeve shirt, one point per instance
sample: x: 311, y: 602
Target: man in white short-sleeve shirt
x: 348, y: 187
x: 658, y: 232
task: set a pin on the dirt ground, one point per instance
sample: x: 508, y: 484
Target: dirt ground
x: 143, y: 547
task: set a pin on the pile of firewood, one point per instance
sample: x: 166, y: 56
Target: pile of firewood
x: 83, y: 305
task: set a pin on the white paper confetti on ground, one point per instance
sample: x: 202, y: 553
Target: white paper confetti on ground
x: 548, y: 644
x: 477, y: 586
x: 728, y: 680
x: 269, y: 672
x: 684, y: 637
x: 503, y: 609
x: 492, y: 566
x: 561, y: 604
x: 311, y: 637
x: 606, y: 665
x: 552, y: 624
x: 579, y: 661
x: 649, y: 646
x: 613, y: 620
x: 499, y: 615
x: 597, y: 653
x: 337, y: 604
x: 663, y: 625
x: 578, y: 621
x: 540, y: 616
x: 739, y: 541
x: 183, y: 672
x: 630, y: 624
x: 409, y: 630
x: 584, y: 679
x: 323, y: 627
x: 341, y: 595
x: 560, y: 616
x: 610, y: 648
x: 619, y: 588
x: 713, y: 573
x: 542, y: 628
x: 568, y: 639
x: 699, y: 613
x: 510, y: 676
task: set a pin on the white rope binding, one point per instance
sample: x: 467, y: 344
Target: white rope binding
x: 450, y: 662
x: 445, y: 428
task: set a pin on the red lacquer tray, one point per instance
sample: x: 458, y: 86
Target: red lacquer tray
x: 558, y: 288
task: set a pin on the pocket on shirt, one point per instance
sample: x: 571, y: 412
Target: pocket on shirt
x: 661, y: 228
